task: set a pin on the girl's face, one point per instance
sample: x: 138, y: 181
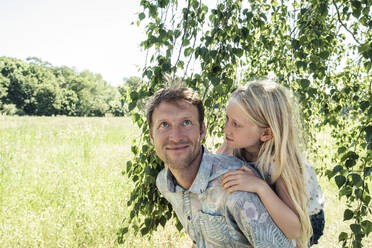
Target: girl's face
x: 240, y: 132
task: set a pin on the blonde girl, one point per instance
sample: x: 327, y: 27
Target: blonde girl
x: 260, y: 129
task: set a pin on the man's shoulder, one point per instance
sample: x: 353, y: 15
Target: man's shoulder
x: 224, y: 161
x: 161, y: 180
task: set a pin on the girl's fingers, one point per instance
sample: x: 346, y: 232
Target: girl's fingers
x: 230, y: 184
x: 228, y: 179
x: 245, y: 168
x: 232, y: 189
x: 230, y: 173
x: 232, y: 176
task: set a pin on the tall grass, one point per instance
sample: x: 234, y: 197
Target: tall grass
x: 61, y: 185
x: 61, y: 182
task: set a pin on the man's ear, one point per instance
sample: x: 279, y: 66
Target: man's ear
x: 203, y: 131
x: 151, y: 138
x: 266, y: 135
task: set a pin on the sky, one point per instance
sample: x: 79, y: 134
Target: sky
x: 93, y: 35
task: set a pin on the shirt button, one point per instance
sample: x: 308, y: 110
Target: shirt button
x: 188, y: 217
x: 194, y: 241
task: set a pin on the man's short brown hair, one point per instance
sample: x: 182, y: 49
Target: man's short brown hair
x: 174, y: 93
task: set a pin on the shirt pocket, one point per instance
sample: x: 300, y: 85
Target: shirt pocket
x: 215, y: 229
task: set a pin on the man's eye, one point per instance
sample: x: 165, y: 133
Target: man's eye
x: 235, y: 124
x: 187, y: 123
x: 163, y: 124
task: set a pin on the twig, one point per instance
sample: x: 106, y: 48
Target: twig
x: 339, y: 19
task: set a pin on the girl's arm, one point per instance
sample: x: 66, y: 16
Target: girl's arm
x: 279, y: 208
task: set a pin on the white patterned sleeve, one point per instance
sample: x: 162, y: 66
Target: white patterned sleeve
x: 255, y: 222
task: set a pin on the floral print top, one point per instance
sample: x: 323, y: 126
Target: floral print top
x: 214, y: 218
x: 314, y: 191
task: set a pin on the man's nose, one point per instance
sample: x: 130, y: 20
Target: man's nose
x: 176, y: 134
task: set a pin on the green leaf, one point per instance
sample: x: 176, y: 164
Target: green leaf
x: 148, y: 74
x: 178, y: 225
x: 166, y: 67
x: 367, y: 171
x: 219, y: 88
x: 348, y: 214
x: 177, y: 33
x: 364, y: 105
x: 145, y: 230
x: 368, y: 131
x: 148, y: 222
x: 343, y: 236
x: 132, y: 214
x: 364, y: 47
x: 346, y: 191
x: 163, y: 3
x: 341, y: 150
x: 134, y: 150
x: 337, y: 168
x: 357, y: 180
x: 295, y: 44
x: 124, y: 230
x: 324, y: 54
x: 304, y: 83
x: 131, y: 106
x: 185, y: 42
x: 188, y: 51
x: 350, y: 163
x: 356, y: 242
x: 134, y: 95
x: 136, y: 117
x: 141, y: 16
x: 356, y: 228
x: 129, y: 165
x: 367, y: 226
x: 350, y: 159
x: 163, y: 220
x: 340, y: 180
x: 238, y: 52
x: 357, y: 8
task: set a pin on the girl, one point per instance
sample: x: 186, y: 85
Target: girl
x: 260, y: 129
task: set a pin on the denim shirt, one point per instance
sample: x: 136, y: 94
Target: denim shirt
x: 214, y: 218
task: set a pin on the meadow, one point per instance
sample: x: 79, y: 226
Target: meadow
x: 61, y: 185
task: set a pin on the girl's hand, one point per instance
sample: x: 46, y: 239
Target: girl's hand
x: 242, y: 179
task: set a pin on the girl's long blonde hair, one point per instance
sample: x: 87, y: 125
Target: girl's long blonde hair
x: 268, y: 104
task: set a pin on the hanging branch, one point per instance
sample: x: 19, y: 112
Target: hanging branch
x: 339, y: 19
x: 183, y: 36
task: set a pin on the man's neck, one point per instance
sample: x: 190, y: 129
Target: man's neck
x: 185, y: 177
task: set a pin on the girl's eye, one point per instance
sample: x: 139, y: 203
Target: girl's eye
x: 163, y: 124
x: 235, y: 124
x: 187, y: 123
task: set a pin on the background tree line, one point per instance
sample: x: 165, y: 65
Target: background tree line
x: 320, y: 49
x: 35, y: 87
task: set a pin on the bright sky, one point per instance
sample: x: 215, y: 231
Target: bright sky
x: 94, y: 35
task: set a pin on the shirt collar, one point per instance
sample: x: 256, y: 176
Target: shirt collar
x: 201, y: 180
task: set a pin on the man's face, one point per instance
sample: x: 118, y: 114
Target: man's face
x: 176, y: 134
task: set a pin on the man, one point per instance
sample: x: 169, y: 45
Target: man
x: 191, y: 178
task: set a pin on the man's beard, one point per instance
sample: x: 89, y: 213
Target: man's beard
x: 184, y: 161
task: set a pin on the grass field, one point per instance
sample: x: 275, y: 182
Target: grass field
x: 61, y: 185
